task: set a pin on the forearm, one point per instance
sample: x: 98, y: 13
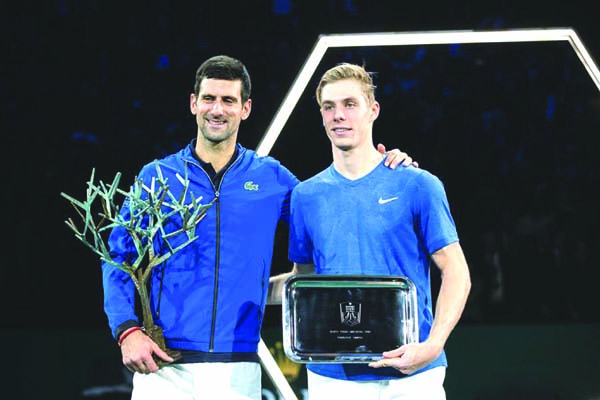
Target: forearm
x: 277, y: 282
x: 276, y: 285
x: 454, y: 291
x: 119, y: 299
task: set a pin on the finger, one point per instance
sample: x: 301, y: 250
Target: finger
x: 163, y: 355
x: 407, y: 160
x: 406, y: 370
x: 396, y: 158
x: 389, y: 155
x: 396, y: 353
x: 379, y: 364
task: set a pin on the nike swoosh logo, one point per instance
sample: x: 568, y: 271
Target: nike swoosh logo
x: 383, y: 201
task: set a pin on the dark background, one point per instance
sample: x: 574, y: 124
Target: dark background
x: 511, y: 129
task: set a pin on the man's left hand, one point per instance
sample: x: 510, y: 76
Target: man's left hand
x: 396, y: 157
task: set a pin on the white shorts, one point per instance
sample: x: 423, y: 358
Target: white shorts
x: 427, y: 385
x: 199, y: 381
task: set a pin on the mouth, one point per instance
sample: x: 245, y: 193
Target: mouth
x: 216, y: 123
x: 340, y: 130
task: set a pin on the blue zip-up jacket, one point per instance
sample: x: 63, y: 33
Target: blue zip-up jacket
x: 210, y: 296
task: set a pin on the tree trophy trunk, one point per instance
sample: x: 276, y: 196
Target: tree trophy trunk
x: 154, y: 331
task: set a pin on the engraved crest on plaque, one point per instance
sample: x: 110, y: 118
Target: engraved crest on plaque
x: 350, y: 313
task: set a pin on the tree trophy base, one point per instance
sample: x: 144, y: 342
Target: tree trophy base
x: 156, y: 334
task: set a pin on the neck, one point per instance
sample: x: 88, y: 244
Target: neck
x: 217, y: 154
x: 356, y: 163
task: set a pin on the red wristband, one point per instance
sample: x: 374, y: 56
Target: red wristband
x: 127, y: 333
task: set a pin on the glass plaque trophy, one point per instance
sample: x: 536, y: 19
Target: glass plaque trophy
x: 347, y: 318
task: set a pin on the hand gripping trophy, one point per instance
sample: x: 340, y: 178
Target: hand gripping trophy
x: 151, y: 206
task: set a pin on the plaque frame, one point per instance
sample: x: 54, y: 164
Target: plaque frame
x: 340, y: 318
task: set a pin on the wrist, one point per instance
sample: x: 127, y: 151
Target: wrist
x: 127, y: 332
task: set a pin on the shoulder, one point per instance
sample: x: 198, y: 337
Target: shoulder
x: 424, y: 187
x: 251, y: 156
x: 167, y: 165
x: 418, y: 176
x: 413, y: 181
x: 252, y: 160
x: 315, y: 183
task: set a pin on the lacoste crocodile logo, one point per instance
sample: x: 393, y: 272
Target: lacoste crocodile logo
x: 383, y: 201
x: 250, y: 185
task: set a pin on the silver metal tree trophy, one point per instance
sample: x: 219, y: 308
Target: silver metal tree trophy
x: 150, y: 207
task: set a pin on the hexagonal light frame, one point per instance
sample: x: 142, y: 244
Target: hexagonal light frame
x: 396, y: 39
x: 414, y: 38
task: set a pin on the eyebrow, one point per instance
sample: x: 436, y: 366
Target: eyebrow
x: 232, y: 98
x: 344, y: 100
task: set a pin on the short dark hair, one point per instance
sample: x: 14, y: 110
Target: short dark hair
x: 227, y: 68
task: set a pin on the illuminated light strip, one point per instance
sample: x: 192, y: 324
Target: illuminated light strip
x: 277, y: 377
x: 291, y: 98
x: 413, y: 38
x: 585, y: 58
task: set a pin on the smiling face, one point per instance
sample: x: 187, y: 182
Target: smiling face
x: 348, y: 114
x: 219, y: 110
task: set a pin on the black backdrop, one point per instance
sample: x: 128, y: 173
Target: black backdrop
x: 510, y: 129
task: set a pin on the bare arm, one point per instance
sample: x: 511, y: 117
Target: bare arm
x: 277, y: 282
x: 452, y: 297
x: 454, y: 290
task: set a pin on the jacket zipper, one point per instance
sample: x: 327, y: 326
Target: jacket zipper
x: 211, y: 342
x: 217, y: 255
x: 211, y: 346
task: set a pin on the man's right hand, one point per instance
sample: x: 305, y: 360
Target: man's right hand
x: 138, y: 352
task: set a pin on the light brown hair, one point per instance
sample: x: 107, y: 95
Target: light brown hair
x: 348, y: 71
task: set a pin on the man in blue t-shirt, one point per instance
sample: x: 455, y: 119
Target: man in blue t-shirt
x: 359, y: 217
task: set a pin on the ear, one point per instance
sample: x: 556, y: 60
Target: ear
x: 246, y: 108
x: 375, y: 107
x: 193, y: 103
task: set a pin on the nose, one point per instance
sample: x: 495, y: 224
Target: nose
x: 338, y: 114
x: 217, y: 107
